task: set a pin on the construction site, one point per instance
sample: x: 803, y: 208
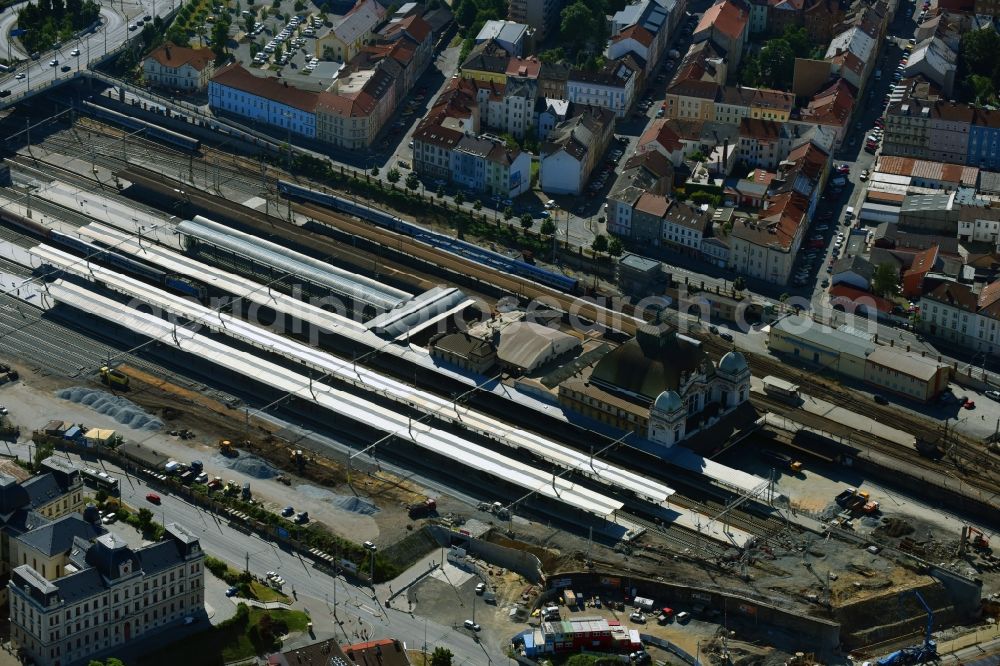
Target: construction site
x: 826, y: 526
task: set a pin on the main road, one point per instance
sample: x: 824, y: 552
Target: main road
x: 31, y: 76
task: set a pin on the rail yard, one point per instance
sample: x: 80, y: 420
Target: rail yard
x: 320, y: 322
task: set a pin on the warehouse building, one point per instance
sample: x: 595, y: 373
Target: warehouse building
x: 854, y: 354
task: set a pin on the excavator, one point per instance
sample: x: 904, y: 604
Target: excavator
x: 917, y: 654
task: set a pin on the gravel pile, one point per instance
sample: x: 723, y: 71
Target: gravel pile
x: 344, y: 502
x: 120, y: 409
x: 253, y: 466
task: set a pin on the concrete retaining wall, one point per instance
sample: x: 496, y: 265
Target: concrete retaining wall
x: 519, y: 561
x: 815, y: 632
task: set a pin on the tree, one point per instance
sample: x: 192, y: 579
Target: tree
x: 552, y: 56
x: 600, y: 244
x: 579, y: 25
x: 392, y: 176
x: 439, y: 192
x: 508, y: 213
x: 477, y: 205
x: 777, y: 64
x: 248, y: 24
x: 739, y: 284
x: 375, y: 172
x: 41, y: 453
x: 615, y: 247
x: 441, y: 657
x: 220, y: 38
x: 527, y: 221
x: 101, y: 496
x: 459, y: 200
x: 412, y: 182
x: 885, y: 281
x: 145, y: 516
x: 549, y: 228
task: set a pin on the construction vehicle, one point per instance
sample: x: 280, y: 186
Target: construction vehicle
x: 422, y: 509
x: 859, y: 501
x: 781, y: 460
x: 298, y: 458
x: 227, y: 449
x: 918, y: 654
x: 974, y: 537
x: 114, y: 377
x: 215, y: 483
x: 232, y: 487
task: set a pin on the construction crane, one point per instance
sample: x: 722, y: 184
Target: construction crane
x: 916, y: 654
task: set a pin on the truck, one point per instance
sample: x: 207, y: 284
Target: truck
x: 215, y: 484
x: 422, y: 509
x: 569, y: 598
x: 197, y: 466
x: 113, y: 377
x: 246, y: 491
x: 187, y: 478
x: 782, y: 460
x: 172, y: 467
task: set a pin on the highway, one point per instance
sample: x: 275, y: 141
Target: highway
x: 33, y: 76
x: 314, y: 590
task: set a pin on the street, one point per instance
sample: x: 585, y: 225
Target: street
x: 336, y: 607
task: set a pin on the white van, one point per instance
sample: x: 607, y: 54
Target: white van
x: 683, y: 617
x: 849, y: 214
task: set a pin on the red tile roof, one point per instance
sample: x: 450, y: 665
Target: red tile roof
x: 171, y: 55
x: 845, y: 292
x: 235, y: 76
x: 727, y: 17
x: 653, y: 204
x: 636, y: 32
x: 524, y: 67
x: 759, y: 129
x: 662, y: 132
x: 923, y: 261
x: 832, y: 106
x: 415, y: 26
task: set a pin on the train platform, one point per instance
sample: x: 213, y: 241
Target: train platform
x: 844, y: 417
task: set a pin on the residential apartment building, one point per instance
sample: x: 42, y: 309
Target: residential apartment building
x: 684, y: 228
x: 542, y: 15
x: 647, y: 173
x: 572, y: 150
x: 762, y: 143
x: 732, y: 104
x: 352, y: 31
x: 727, y: 25
x: 643, y: 28
x: 984, y: 140
x: 661, y: 137
x: 178, y: 67
x: 937, y: 62
x: 111, y: 594
x: 349, y: 113
x: 613, y: 87
x: 693, y: 100
x: 485, y: 164
x: 831, y: 107
x: 263, y: 99
x: 773, y: 105
x: 938, y: 131
x: 487, y: 62
x: 54, y: 493
x: 765, y: 248
x: 963, y: 314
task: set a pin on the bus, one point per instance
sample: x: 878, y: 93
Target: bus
x: 101, y: 481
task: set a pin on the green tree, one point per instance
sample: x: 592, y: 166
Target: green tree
x: 508, y: 213
x: 41, y: 453
x: 548, y: 227
x: 439, y: 192
x: 527, y: 221
x: 980, y: 88
x: 220, y: 38
x: 477, y: 205
x: 465, y: 13
x: 579, y: 25
x: 739, y: 284
x: 392, y: 176
x: 552, y: 56
x: 248, y: 24
x: 412, y: 182
x: 459, y: 200
x: 600, y: 244
x: 375, y: 172
x: 441, y: 657
x: 145, y: 516
x: 885, y: 281
x: 615, y: 247
x: 101, y: 496
x: 749, y: 74
x: 777, y: 64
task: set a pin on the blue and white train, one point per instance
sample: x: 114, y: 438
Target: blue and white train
x: 440, y: 241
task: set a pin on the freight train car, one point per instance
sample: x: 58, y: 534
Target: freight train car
x: 453, y: 245
x: 150, y: 130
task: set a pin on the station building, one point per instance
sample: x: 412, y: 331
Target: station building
x: 661, y: 385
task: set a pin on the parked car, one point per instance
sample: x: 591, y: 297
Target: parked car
x: 287, y: 511
x: 727, y: 336
x: 992, y: 394
x: 232, y: 592
x: 469, y: 624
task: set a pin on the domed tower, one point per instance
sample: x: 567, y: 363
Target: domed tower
x: 732, y: 386
x: 667, y: 419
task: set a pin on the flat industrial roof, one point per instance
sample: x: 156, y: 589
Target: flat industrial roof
x: 820, y: 335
